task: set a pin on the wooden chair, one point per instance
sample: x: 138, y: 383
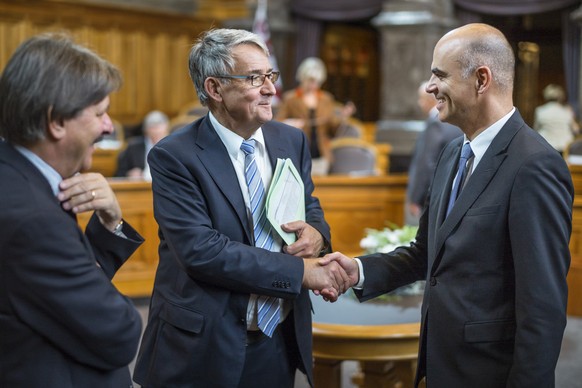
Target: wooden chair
x: 350, y: 128
x: 193, y: 108
x: 355, y: 156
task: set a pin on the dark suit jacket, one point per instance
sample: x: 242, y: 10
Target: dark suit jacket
x: 62, y: 322
x: 427, y: 150
x: 494, y: 308
x: 196, y: 332
x: 132, y: 156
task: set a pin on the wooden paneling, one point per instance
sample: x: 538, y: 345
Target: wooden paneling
x: 150, y: 49
x: 575, y: 274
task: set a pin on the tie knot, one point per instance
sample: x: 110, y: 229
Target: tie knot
x: 466, y: 152
x: 248, y: 146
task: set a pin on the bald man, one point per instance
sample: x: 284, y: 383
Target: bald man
x: 495, y: 258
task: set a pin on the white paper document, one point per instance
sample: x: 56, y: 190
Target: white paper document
x: 285, y: 199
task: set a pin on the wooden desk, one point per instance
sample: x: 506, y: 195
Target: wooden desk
x: 136, y: 277
x: 352, y: 204
x: 382, y: 337
x: 105, y: 161
x: 575, y: 273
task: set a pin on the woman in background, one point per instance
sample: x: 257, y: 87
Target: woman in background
x: 315, y: 111
x: 555, y: 119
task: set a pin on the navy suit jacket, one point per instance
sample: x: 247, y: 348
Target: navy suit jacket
x: 132, y: 156
x: 62, y: 322
x: 196, y: 333
x: 494, y: 308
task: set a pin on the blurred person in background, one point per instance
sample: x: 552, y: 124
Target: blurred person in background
x: 427, y: 150
x: 555, y: 119
x: 132, y: 162
x: 315, y: 111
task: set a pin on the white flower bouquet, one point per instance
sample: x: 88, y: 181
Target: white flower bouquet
x: 386, y: 240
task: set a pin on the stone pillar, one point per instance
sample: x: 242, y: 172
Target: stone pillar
x: 409, y: 31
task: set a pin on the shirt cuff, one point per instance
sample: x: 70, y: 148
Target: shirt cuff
x: 360, y: 283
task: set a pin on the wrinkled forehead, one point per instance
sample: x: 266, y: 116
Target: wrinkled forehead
x: 251, y: 58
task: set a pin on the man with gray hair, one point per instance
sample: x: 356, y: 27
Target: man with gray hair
x: 230, y: 306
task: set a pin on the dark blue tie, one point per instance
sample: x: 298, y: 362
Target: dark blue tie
x: 466, y: 154
x: 268, y: 307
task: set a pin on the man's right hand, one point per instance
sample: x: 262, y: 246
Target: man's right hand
x: 349, y: 265
x: 329, y: 279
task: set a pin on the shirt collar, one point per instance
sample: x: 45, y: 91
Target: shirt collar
x: 51, y: 175
x: 232, y: 141
x: 483, y: 140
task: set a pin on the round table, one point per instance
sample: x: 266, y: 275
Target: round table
x: 382, y: 336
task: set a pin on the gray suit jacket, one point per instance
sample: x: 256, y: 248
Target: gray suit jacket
x: 427, y: 150
x: 208, y: 267
x: 494, y: 308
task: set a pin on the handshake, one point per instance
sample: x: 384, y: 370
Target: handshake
x: 331, y: 275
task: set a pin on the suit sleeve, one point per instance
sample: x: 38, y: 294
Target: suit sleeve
x: 111, y: 251
x: 204, y: 233
x: 540, y: 226
x: 59, y: 292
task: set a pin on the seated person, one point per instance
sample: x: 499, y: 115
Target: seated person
x: 132, y: 162
x: 314, y: 111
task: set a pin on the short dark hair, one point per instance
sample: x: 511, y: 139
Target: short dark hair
x: 49, y: 77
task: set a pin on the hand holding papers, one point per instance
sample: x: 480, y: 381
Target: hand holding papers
x: 285, y: 199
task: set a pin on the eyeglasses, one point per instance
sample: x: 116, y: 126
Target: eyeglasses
x: 256, y: 79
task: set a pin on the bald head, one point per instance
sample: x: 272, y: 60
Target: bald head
x: 483, y: 45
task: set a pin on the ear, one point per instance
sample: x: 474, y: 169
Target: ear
x: 213, y: 89
x: 56, y: 129
x: 483, y: 80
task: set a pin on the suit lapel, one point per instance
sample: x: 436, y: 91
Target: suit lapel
x: 216, y: 160
x: 274, y: 150
x: 478, y: 182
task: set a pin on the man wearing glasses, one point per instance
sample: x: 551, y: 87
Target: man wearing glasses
x: 230, y: 306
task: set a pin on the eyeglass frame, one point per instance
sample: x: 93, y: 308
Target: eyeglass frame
x: 273, y: 76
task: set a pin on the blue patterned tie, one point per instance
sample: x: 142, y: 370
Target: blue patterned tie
x: 466, y: 154
x: 268, y: 306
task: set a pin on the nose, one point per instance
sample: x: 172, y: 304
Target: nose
x: 107, y: 124
x: 268, y: 86
x: 430, y: 86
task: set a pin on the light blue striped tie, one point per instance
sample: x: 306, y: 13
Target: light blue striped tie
x: 268, y: 306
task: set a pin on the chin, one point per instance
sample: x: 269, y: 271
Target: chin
x: 87, y: 163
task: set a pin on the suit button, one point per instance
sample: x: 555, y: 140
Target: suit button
x: 433, y: 281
